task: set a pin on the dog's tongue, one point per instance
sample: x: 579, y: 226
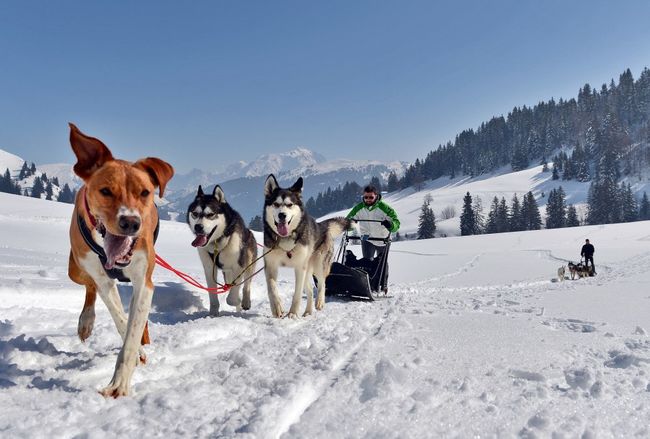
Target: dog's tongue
x: 116, y: 248
x: 200, y: 240
x: 282, y: 229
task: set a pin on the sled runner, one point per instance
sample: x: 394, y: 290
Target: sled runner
x: 358, y: 278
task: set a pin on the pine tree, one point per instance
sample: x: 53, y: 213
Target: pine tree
x: 644, y: 208
x: 32, y: 169
x: 393, y: 182
x: 5, y: 181
x: 556, y: 174
x: 256, y: 224
x: 556, y: 209
x: 491, y: 226
x: 629, y: 205
x: 37, y: 188
x: 65, y: 196
x: 376, y: 182
x: 467, y: 218
x: 503, y: 225
x: 48, y: 191
x: 427, y: 222
x: 516, y: 220
x: 572, y: 216
x: 55, y: 181
x: 530, y: 213
x: 24, y: 172
x: 477, y: 205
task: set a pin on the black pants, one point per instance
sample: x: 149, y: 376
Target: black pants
x: 368, y: 250
x: 590, y: 258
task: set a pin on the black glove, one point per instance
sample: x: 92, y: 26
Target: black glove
x: 387, y: 224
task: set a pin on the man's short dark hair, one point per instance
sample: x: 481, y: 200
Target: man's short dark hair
x: 370, y: 188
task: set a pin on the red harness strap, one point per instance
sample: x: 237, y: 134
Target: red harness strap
x: 190, y: 280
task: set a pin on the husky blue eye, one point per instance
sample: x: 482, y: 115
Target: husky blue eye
x: 105, y: 192
x: 144, y: 193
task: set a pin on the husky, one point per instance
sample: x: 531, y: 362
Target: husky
x: 578, y: 270
x: 224, y: 243
x: 294, y: 239
x: 560, y: 273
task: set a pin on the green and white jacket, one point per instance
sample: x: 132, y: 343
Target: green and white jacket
x: 377, y: 211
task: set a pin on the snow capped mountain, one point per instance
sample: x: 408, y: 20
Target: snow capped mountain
x: 62, y: 171
x: 266, y: 164
x: 10, y: 161
x: 243, y: 182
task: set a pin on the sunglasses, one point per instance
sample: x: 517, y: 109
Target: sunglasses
x: 368, y: 197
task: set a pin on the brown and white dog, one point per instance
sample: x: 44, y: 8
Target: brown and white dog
x: 112, y: 236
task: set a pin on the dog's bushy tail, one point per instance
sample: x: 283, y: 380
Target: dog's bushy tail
x: 338, y: 225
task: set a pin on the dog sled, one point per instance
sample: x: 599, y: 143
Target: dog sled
x: 358, y: 278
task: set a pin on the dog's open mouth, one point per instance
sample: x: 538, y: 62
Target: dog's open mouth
x: 119, y: 249
x: 283, y: 230
x: 200, y: 240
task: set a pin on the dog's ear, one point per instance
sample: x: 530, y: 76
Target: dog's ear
x: 159, y: 171
x: 91, y: 153
x: 297, y: 186
x: 199, y: 193
x: 218, y: 194
x: 270, y: 185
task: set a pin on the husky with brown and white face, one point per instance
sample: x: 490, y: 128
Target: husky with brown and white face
x: 294, y: 239
x: 224, y: 243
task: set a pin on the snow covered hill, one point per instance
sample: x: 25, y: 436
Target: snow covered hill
x: 10, y: 161
x: 447, y: 193
x: 478, y: 338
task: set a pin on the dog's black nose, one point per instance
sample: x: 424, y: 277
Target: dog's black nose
x: 198, y: 228
x: 282, y: 216
x: 129, y: 225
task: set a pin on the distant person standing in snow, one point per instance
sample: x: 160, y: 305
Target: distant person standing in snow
x: 587, y: 252
x: 384, y: 222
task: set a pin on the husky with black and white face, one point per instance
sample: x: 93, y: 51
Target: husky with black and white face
x: 294, y: 239
x: 224, y: 243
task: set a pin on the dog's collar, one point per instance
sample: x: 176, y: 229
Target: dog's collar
x: 93, y: 220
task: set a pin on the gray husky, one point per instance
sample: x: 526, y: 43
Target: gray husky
x: 224, y: 243
x: 294, y: 239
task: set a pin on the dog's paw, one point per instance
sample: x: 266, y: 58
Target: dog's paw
x: 86, y: 324
x: 232, y: 300
x: 246, y: 304
x: 115, y: 389
x: 277, y: 311
x: 307, y: 313
x: 320, y: 304
x: 292, y: 315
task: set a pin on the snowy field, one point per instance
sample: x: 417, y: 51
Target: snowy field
x: 478, y: 338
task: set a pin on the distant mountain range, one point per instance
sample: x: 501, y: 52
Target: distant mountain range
x: 242, y: 182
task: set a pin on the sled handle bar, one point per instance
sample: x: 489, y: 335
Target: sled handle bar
x: 366, y: 220
x: 369, y: 238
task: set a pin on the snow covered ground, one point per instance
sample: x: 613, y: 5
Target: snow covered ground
x: 477, y: 339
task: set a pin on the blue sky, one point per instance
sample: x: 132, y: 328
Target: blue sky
x: 206, y: 83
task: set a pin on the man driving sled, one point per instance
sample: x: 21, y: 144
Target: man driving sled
x: 383, y: 221
x: 587, y: 252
